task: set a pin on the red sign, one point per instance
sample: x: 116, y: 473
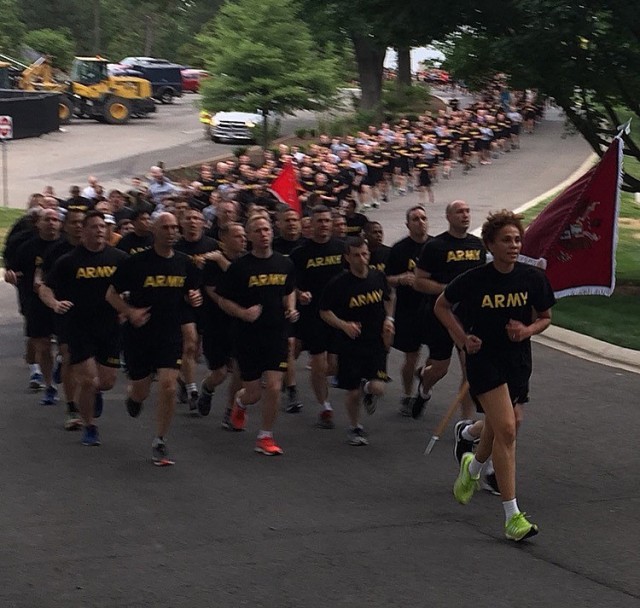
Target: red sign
x: 6, y: 127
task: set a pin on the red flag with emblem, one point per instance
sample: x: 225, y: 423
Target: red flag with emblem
x: 576, y: 236
x: 285, y: 187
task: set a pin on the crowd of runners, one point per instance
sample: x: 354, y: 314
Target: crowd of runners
x: 148, y: 280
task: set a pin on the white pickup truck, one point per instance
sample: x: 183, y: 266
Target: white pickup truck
x: 232, y: 126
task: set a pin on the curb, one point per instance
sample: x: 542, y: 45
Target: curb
x: 590, y: 349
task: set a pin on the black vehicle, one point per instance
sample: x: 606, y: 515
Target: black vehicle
x: 165, y: 78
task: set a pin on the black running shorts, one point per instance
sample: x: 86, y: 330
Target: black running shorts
x: 262, y: 352
x: 353, y: 368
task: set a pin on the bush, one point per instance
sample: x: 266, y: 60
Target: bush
x: 240, y: 151
x: 301, y: 133
x: 403, y: 100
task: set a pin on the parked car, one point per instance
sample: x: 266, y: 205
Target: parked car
x: 233, y: 126
x: 191, y: 79
x: 164, y: 76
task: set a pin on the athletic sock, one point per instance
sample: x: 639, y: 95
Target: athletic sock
x: 264, y: 434
x: 510, y: 508
x: 239, y: 403
x: 71, y: 408
x: 488, y: 467
x: 475, y: 467
x: 157, y: 441
x: 466, y: 434
x: 366, y: 388
x: 191, y: 388
x: 34, y: 368
x: 292, y: 390
x: 327, y: 406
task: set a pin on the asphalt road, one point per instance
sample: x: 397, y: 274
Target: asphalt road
x: 326, y: 524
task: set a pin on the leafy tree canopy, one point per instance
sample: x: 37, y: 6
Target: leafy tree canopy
x: 263, y: 57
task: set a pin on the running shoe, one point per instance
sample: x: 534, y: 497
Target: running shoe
x: 98, y: 405
x: 36, y: 382
x: 50, y: 396
x: 182, y: 391
x: 193, y: 401
x: 204, y: 400
x: 462, y: 445
x: 226, y: 420
x: 238, y: 417
x: 90, y: 435
x: 465, y: 485
x: 72, y: 422
x: 57, y: 370
x: 133, y: 407
x: 369, y: 401
x: 406, y: 406
x: 268, y: 447
x: 357, y: 436
x: 325, y: 420
x: 518, y: 527
x: 489, y: 483
x: 419, y: 402
x: 294, y: 405
x: 160, y: 454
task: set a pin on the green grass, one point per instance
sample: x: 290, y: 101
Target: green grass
x: 7, y: 218
x: 613, y: 319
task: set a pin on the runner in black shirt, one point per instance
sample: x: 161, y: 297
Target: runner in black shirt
x: 217, y: 326
x: 316, y: 262
x: 504, y: 303
x: 400, y: 273
x: 357, y: 303
x: 258, y: 289
x: 72, y: 226
x: 378, y: 251
x: 355, y: 221
x: 25, y: 273
x: 443, y: 258
x: 160, y: 282
x: 198, y: 247
x: 290, y: 228
x: 140, y: 238
x: 76, y: 288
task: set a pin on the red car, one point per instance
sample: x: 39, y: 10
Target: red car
x: 191, y: 79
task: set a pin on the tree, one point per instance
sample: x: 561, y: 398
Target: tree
x: 56, y: 43
x: 262, y: 57
x: 12, y: 28
x: 585, y: 56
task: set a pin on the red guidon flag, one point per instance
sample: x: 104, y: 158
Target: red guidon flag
x: 285, y: 187
x: 576, y: 236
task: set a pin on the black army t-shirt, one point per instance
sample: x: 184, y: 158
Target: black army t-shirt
x: 132, y: 243
x: 380, y: 258
x: 403, y: 257
x: 490, y: 298
x: 265, y: 281
x: 196, y: 250
x: 315, y: 265
x: 361, y: 300
x: 286, y: 246
x: 445, y: 257
x: 83, y: 277
x: 159, y: 283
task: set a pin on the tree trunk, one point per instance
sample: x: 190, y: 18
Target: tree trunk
x: 150, y: 28
x: 96, y: 27
x: 370, y: 59
x: 404, y: 66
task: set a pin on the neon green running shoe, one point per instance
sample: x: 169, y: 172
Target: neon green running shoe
x: 518, y: 527
x: 465, y: 485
